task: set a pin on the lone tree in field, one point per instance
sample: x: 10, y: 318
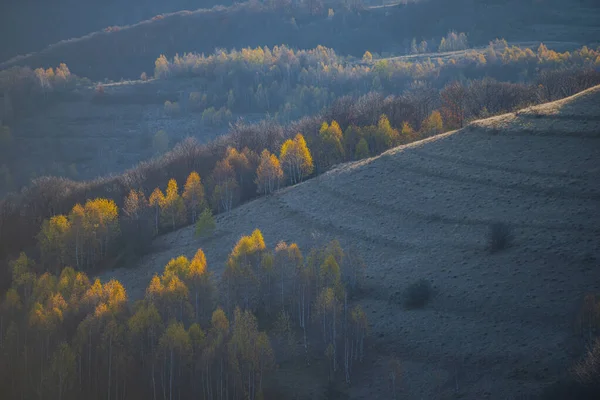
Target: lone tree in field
x: 268, y: 173
x: 296, y: 159
x: 205, y: 224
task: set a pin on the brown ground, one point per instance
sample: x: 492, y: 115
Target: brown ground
x: 501, y: 325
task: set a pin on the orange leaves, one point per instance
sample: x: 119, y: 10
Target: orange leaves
x: 247, y: 245
x: 198, y: 265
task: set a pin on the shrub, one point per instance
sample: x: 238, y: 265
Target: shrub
x: 417, y: 294
x: 500, y: 237
x: 172, y: 108
x: 160, y: 142
x: 205, y: 224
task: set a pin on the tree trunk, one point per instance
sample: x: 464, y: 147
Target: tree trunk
x: 171, y: 377
x: 109, y: 364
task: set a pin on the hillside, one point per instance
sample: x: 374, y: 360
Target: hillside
x: 26, y: 20
x: 126, y: 51
x: 501, y: 325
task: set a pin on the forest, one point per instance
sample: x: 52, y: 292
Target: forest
x: 64, y: 336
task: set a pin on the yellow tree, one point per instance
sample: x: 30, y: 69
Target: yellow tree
x: 200, y: 282
x: 157, y: 201
x: 240, y: 163
x: 329, y: 146
x: 268, y: 173
x: 193, y: 195
x: 101, y: 224
x: 433, y: 124
x: 137, y: 222
x: 225, y: 192
x: 241, y: 275
x: 173, y: 210
x: 78, y: 239
x: 385, y: 137
x: 296, y: 158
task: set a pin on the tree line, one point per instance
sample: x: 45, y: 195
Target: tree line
x: 292, y: 83
x: 63, y: 336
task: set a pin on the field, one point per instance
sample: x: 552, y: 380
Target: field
x: 90, y: 136
x: 500, y: 325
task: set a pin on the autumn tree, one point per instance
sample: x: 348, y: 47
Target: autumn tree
x: 137, y: 221
x: 241, y: 279
x: 454, y: 104
x: 101, y: 224
x: 173, y: 212
x: 52, y: 241
x: 226, y: 189
x: 200, y: 283
x: 244, y: 166
x: 433, y: 124
x: 296, y: 159
x: 78, y: 233
x: 329, y: 148
x: 193, y: 195
x: 384, y: 137
x: 269, y: 173
x: 157, y: 201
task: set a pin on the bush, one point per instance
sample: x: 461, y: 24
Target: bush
x: 205, y: 224
x: 500, y: 237
x: 417, y: 294
x: 172, y: 108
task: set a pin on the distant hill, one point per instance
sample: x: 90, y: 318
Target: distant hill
x: 127, y: 51
x: 30, y: 25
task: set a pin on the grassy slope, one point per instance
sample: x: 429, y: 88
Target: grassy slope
x: 501, y: 325
x: 133, y: 49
